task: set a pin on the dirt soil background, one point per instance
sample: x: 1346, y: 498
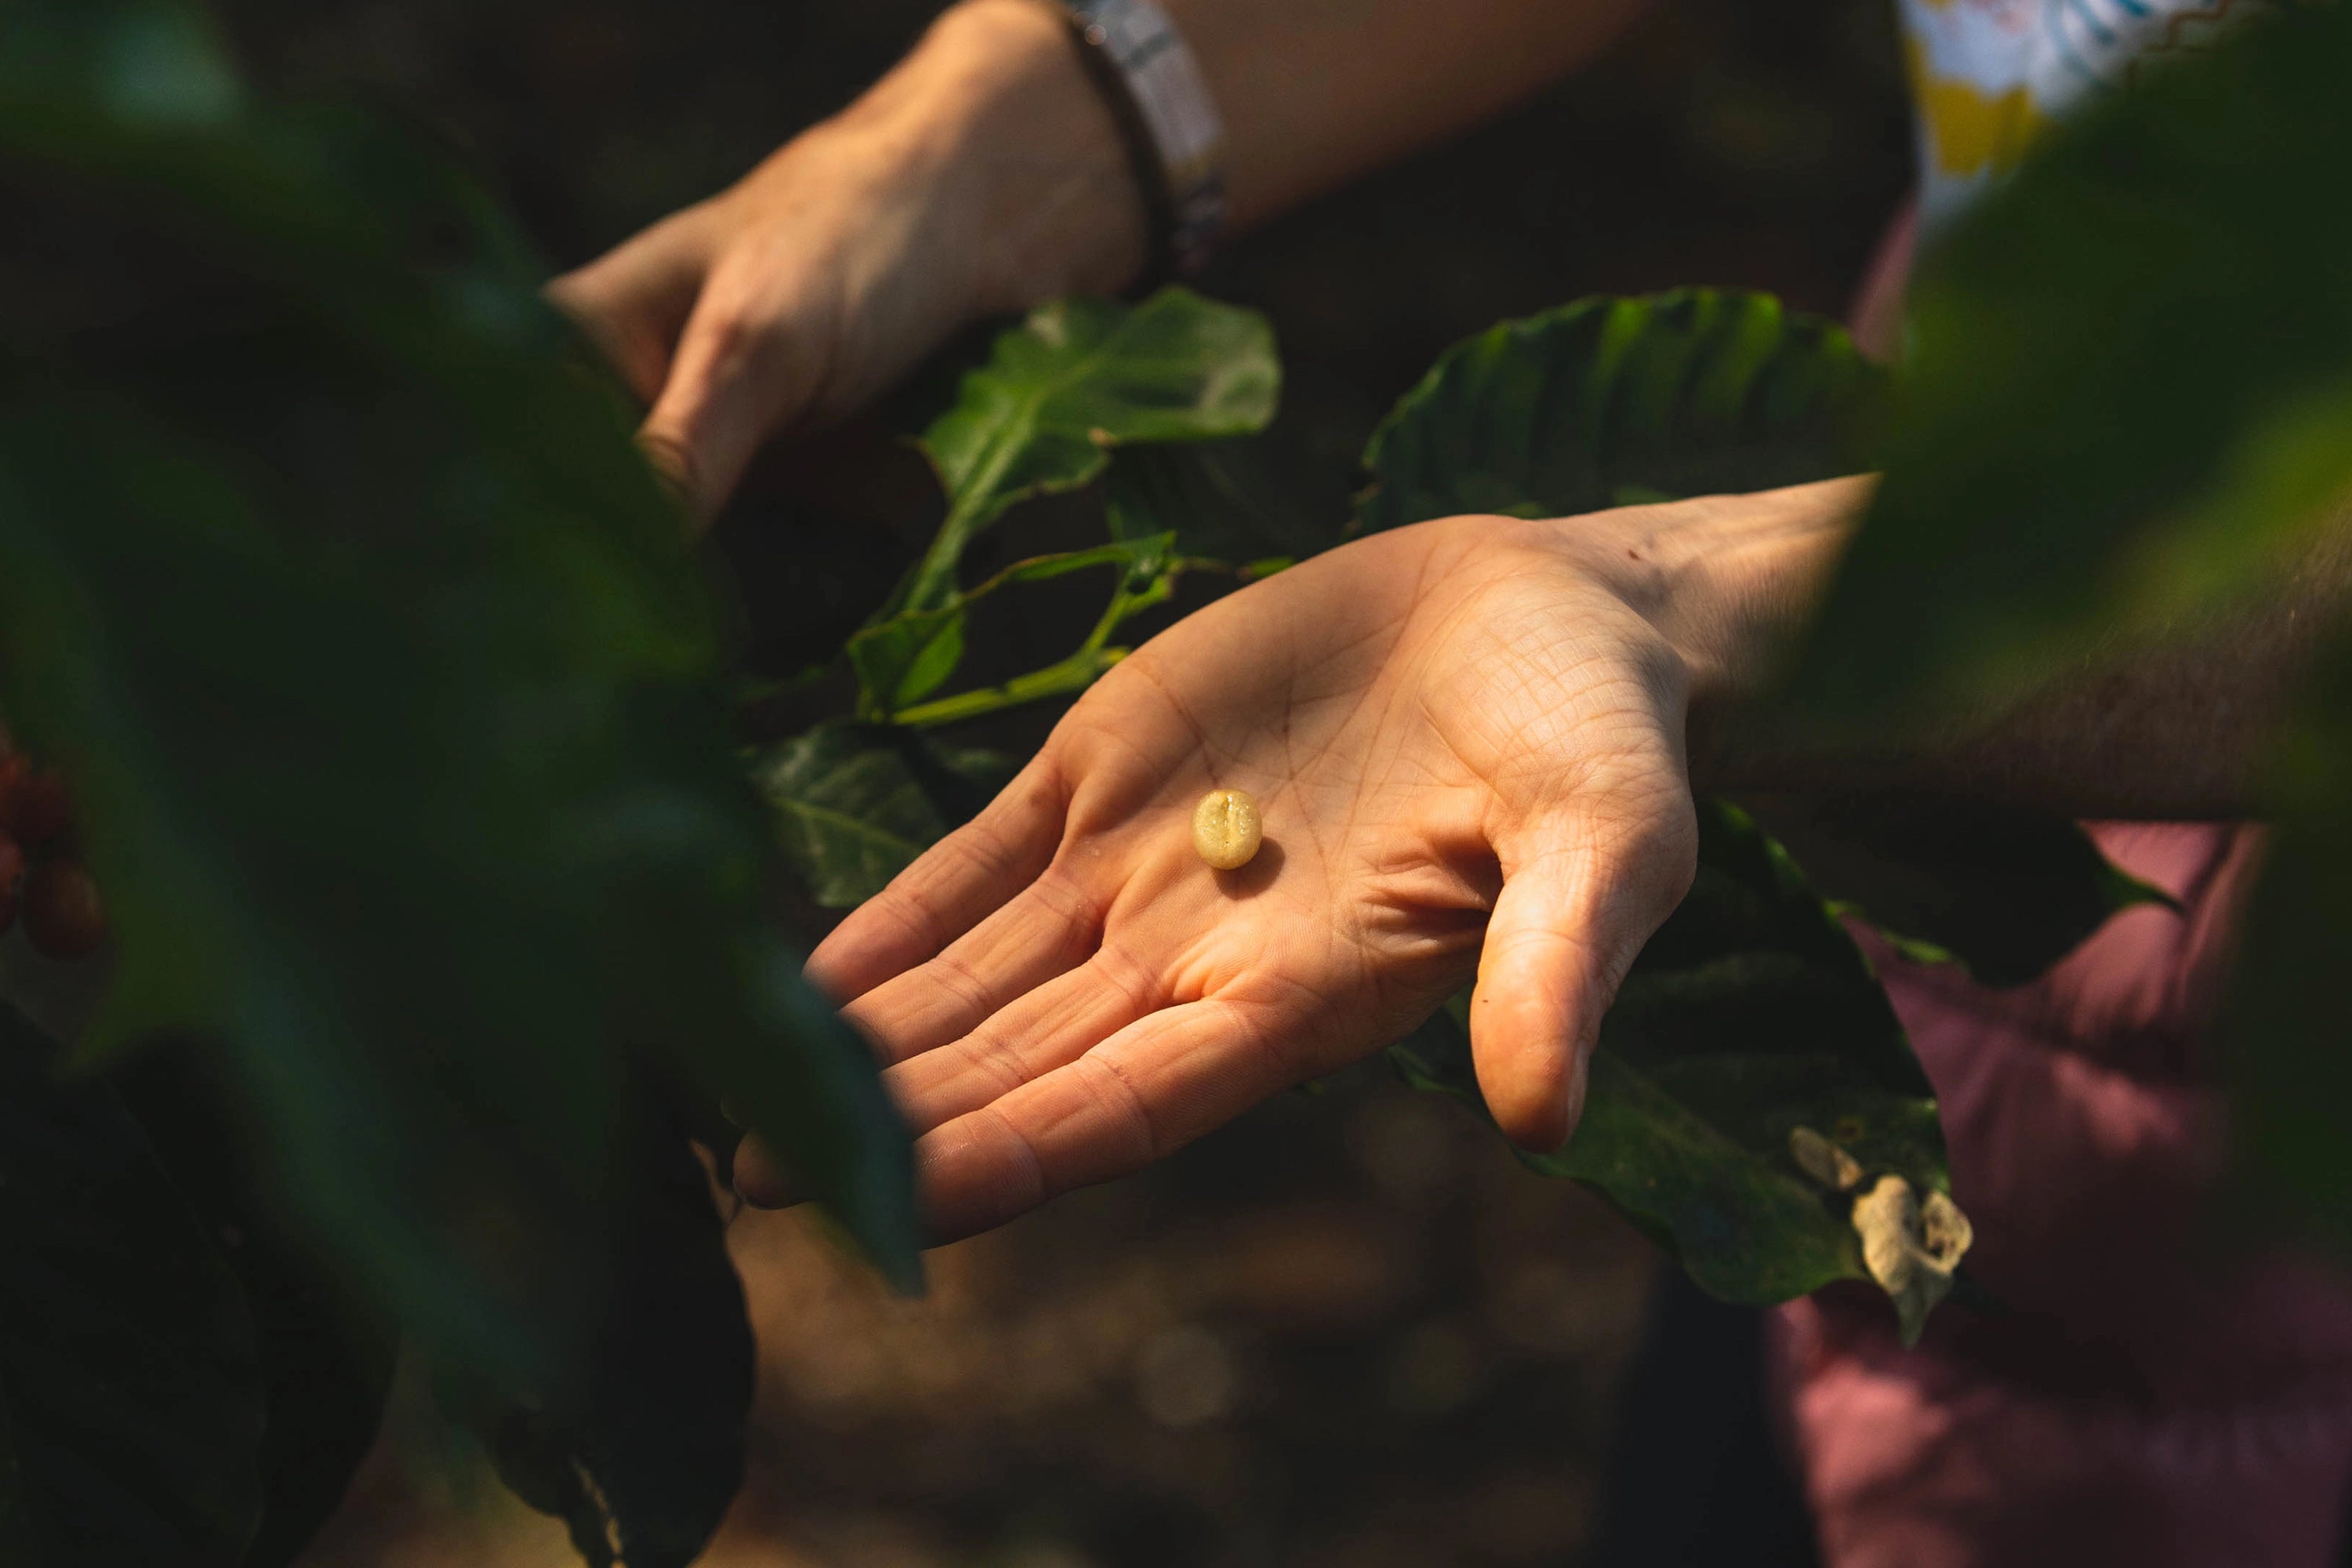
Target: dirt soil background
x: 1349, y: 1329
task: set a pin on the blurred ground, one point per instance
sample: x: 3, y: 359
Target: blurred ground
x: 1349, y: 1329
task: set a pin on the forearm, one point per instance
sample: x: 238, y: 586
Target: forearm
x: 1317, y: 91
x: 2176, y: 725
x: 1311, y: 94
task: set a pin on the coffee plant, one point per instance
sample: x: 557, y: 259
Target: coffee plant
x: 406, y: 762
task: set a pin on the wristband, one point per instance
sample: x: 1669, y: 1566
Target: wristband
x: 1153, y: 85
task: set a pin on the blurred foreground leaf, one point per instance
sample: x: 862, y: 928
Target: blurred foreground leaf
x: 331, y: 577
x: 2287, y: 1019
x: 2129, y: 391
x: 130, y: 1409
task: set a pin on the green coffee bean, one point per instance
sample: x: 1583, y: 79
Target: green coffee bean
x: 1225, y: 828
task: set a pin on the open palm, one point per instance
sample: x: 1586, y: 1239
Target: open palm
x: 1463, y: 736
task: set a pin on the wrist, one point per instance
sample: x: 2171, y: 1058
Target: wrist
x: 1728, y: 583
x: 1018, y: 138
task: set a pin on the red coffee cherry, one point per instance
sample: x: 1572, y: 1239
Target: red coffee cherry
x: 40, y: 809
x: 12, y: 873
x: 63, y: 914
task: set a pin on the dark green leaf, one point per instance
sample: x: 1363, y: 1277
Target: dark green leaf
x: 856, y: 803
x: 130, y: 1411
x: 641, y: 1458
x: 1077, y: 379
x: 381, y: 670
x: 2130, y: 383
x: 325, y: 1359
x: 1749, y: 1013
x: 1609, y: 401
x: 2007, y: 893
x: 2284, y: 1025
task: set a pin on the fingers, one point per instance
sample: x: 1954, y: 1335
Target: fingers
x: 720, y: 351
x: 721, y: 371
x: 1051, y: 1027
x: 1579, y: 900
x: 1046, y: 931
x: 1147, y: 1091
x: 739, y: 373
x: 634, y: 300
x: 760, y: 1178
x: 952, y: 887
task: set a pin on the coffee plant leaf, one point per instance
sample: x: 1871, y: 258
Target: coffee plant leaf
x: 642, y: 1454
x: 374, y: 652
x: 130, y: 1405
x: 2126, y: 387
x: 1079, y: 378
x: 1749, y: 1018
x: 2005, y: 893
x: 1613, y: 401
x: 855, y: 803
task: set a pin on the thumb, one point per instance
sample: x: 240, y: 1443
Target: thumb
x: 738, y: 376
x: 1582, y: 891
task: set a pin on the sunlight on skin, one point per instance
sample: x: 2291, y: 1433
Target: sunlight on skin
x: 1463, y: 735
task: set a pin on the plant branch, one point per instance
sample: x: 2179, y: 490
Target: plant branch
x: 1074, y: 673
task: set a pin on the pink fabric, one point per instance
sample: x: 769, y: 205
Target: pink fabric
x: 1876, y: 319
x: 2151, y: 1399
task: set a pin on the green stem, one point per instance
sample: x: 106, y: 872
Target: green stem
x: 1074, y: 673
x: 934, y: 580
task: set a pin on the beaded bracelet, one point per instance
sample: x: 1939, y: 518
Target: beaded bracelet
x: 1152, y: 82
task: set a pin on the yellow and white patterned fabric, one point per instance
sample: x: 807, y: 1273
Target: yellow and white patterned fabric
x: 1989, y: 74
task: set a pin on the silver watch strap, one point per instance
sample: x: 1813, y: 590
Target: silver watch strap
x: 1140, y: 41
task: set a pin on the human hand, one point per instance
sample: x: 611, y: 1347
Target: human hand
x: 980, y: 176
x: 1467, y: 741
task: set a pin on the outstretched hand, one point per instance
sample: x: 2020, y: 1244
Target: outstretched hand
x: 1466, y: 739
